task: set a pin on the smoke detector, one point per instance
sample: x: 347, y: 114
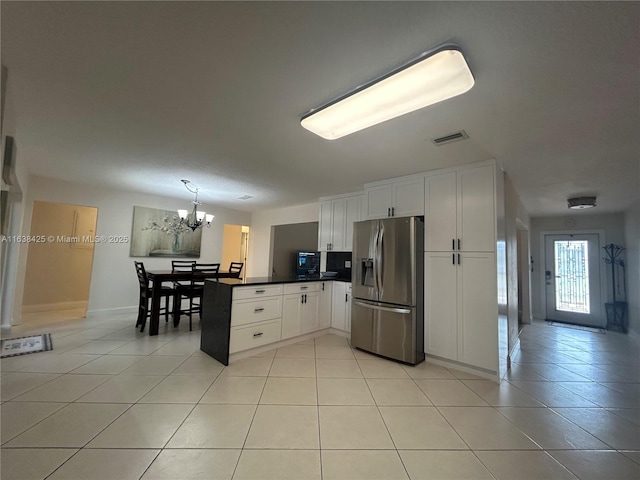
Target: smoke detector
x: 580, y: 203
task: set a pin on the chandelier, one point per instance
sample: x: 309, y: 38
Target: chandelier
x: 195, y: 219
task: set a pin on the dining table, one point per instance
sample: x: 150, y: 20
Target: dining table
x: 156, y: 279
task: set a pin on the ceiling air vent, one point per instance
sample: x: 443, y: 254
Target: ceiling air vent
x: 452, y: 137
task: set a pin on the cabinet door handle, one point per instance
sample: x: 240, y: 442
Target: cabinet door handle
x: 393, y: 211
x: 459, y: 244
x: 258, y: 310
x: 303, y: 288
x: 323, y: 286
x: 453, y: 258
x: 305, y: 298
x: 458, y: 259
x: 301, y: 298
x: 453, y: 244
x: 389, y: 212
x: 260, y: 291
x: 259, y: 334
x: 346, y: 297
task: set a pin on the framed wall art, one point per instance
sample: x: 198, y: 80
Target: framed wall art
x: 159, y: 233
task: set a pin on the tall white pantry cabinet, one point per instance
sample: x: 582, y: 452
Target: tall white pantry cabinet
x: 463, y: 250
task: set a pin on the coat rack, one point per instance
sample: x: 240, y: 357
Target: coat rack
x: 616, y: 311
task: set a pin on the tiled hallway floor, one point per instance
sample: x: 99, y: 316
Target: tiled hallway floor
x: 111, y: 403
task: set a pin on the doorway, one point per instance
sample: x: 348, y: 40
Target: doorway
x: 572, y: 279
x: 524, y: 275
x: 58, y: 273
x: 235, y: 246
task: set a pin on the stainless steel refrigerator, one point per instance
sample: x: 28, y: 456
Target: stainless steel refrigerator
x: 387, y: 309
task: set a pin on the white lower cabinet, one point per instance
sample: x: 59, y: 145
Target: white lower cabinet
x: 254, y: 335
x: 440, y: 305
x: 300, y: 311
x: 341, y: 306
x: 310, y: 311
x: 324, y: 309
x: 250, y: 311
x: 291, y: 312
x: 267, y: 314
x: 461, y: 307
x: 255, y: 317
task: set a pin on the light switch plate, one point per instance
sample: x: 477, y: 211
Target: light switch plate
x: 347, y: 264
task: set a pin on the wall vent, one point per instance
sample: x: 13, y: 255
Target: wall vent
x: 452, y: 137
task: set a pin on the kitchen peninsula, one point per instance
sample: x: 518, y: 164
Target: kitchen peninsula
x: 240, y: 315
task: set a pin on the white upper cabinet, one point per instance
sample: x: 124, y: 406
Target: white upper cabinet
x: 477, y: 218
x: 335, y: 231
x: 398, y: 199
x: 354, y: 207
x: 460, y: 210
x: 441, y: 212
x: 378, y: 201
x: 325, y: 227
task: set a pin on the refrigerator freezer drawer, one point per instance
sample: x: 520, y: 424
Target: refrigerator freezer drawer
x: 387, y: 330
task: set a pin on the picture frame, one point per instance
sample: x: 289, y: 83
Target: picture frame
x: 159, y: 233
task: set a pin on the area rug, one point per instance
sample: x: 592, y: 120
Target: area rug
x: 575, y: 327
x: 11, y: 347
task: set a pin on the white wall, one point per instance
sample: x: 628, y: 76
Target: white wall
x: 9, y: 252
x: 260, y: 235
x: 612, y: 225
x: 114, y: 286
x: 632, y: 243
x: 516, y: 217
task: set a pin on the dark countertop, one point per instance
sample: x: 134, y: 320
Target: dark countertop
x: 243, y: 282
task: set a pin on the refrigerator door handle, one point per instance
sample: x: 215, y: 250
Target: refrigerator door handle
x: 380, y: 260
x: 376, y: 261
x: 384, y: 309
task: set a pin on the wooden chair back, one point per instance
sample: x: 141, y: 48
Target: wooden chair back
x: 235, y: 268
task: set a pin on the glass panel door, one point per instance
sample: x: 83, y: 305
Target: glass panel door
x: 572, y: 277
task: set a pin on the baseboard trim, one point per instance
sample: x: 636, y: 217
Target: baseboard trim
x: 463, y: 367
x: 514, y: 351
x: 49, y: 307
x: 108, y: 312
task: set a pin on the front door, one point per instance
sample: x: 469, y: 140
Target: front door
x: 572, y: 278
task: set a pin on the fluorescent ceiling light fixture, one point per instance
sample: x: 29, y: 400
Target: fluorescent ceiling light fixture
x: 435, y: 76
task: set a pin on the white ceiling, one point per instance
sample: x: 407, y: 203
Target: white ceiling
x: 137, y: 95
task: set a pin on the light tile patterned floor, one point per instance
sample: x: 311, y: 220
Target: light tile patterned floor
x: 111, y: 403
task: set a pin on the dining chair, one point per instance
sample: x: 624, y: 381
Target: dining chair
x: 193, y: 291
x: 144, y: 310
x: 182, y: 266
x: 235, y: 268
